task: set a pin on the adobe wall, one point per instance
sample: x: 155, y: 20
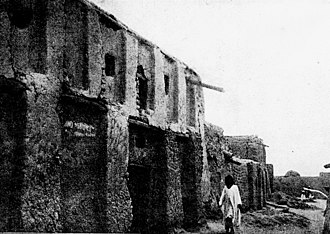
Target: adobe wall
x: 58, y: 58
x: 23, y: 42
x: 294, y: 185
x: 24, y: 49
x: 270, y: 169
x: 253, y: 178
x: 247, y: 147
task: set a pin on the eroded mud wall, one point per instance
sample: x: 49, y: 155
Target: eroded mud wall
x: 83, y: 166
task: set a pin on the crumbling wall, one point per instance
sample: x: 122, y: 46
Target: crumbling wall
x: 294, y: 185
x: 174, y: 211
x: 146, y: 59
x: 291, y: 185
x: 170, y: 88
x: 23, y: 44
x: 83, y: 160
x: 68, y: 41
x: 253, y: 185
x: 171, y: 185
x: 252, y: 177
x: 270, y: 169
x: 41, y: 191
x: 214, y: 141
x: 112, y: 43
x: 247, y: 147
x: 191, y: 179
x: 118, y: 220
x: 76, y: 44
x: 240, y: 174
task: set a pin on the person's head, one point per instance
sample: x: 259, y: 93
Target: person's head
x: 229, y: 181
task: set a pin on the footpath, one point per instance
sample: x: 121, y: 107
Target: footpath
x: 273, y: 221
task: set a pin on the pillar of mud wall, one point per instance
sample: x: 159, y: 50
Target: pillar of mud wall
x: 270, y: 170
x: 35, y: 46
x: 240, y: 173
x: 264, y: 186
x: 191, y: 152
x: 268, y: 192
x: 214, y: 141
x: 41, y: 192
x: 119, y: 209
x: 13, y: 107
x: 158, y: 187
x: 260, y: 183
x: 252, y: 181
x: 174, y: 208
x: 83, y: 164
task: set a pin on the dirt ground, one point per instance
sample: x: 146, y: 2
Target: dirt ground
x: 272, y: 221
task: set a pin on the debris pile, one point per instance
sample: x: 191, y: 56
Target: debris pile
x: 272, y: 218
x: 281, y: 198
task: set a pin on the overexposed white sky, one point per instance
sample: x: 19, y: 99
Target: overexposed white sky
x: 271, y: 56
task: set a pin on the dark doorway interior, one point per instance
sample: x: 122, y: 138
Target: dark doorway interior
x: 147, y: 179
x: 13, y: 110
x: 139, y: 187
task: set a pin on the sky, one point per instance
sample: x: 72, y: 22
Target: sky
x: 272, y: 57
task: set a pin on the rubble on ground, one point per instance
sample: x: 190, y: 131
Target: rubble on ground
x: 281, y: 198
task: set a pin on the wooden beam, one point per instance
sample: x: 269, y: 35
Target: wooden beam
x: 199, y: 83
x: 277, y: 206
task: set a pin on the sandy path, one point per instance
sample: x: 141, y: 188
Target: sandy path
x: 315, y: 216
x: 315, y: 227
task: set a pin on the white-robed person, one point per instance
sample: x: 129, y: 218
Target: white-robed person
x: 231, y: 204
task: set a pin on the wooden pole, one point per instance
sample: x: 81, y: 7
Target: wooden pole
x: 199, y: 83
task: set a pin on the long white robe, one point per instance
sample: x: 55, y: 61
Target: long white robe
x: 229, y: 200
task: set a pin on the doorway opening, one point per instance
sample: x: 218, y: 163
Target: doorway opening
x: 147, y: 181
x: 13, y: 114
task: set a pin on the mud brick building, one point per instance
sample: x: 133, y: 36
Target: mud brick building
x: 293, y: 184
x: 101, y: 131
x: 247, y: 163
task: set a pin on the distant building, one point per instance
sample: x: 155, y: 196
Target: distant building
x: 244, y: 157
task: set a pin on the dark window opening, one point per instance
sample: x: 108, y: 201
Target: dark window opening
x: 20, y: 13
x: 110, y: 65
x: 140, y: 141
x: 167, y: 84
x: 141, y: 88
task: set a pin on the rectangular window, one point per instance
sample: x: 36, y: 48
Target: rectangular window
x: 110, y: 65
x: 141, y: 88
x: 167, y: 84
